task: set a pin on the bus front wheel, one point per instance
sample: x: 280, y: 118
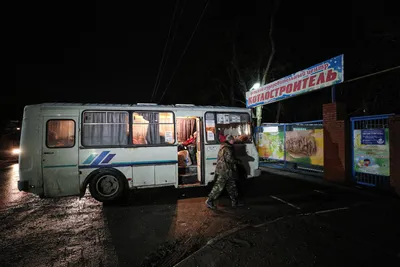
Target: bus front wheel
x: 107, y: 185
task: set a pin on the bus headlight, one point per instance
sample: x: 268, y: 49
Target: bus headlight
x: 16, y: 151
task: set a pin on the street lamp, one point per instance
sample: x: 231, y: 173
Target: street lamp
x: 255, y: 86
x: 258, y: 108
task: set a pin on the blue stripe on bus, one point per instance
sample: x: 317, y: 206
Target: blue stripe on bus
x: 127, y: 164
x: 60, y: 166
x: 107, y: 159
x: 100, y: 158
x: 90, y: 159
x: 211, y: 158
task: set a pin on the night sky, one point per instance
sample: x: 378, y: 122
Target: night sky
x: 109, y: 52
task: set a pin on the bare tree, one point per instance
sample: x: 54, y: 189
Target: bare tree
x: 244, y: 68
x: 235, y: 65
x: 271, y: 56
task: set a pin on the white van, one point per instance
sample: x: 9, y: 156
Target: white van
x: 66, y: 147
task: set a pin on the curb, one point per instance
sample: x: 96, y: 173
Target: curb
x: 319, y: 180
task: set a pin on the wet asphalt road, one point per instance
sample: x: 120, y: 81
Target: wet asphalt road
x: 160, y: 227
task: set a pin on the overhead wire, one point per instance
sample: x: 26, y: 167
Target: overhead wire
x: 184, y: 51
x: 371, y: 74
x: 164, y: 52
x: 170, y: 48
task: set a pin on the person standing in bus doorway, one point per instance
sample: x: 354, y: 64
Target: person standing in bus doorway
x: 224, y: 174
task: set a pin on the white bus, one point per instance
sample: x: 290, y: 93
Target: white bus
x: 66, y: 147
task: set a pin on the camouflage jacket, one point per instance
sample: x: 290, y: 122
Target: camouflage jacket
x: 226, y: 162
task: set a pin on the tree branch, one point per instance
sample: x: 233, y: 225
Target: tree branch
x: 271, y: 28
x: 235, y: 65
x: 220, y: 83
x: 241, y: 101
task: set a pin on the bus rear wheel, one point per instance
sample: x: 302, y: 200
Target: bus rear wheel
x: 107, y: 186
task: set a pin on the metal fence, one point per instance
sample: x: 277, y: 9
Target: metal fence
x: 370, y: 155
x: 295, y: 146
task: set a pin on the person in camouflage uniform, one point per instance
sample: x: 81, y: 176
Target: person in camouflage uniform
x: 224, y: 174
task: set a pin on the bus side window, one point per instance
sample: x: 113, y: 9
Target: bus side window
x: 60, y: 133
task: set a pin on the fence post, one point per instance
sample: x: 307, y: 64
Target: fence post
x: 394, y: 152
x: 335, y: 142
x: 284, y: 146
x: 353, y: 171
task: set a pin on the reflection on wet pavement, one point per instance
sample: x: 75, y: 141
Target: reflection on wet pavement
x: 8, y: 188
x: 83, y: 232
x: 51, y: 232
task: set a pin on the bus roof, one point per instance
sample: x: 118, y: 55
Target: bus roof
x: 138, y: 105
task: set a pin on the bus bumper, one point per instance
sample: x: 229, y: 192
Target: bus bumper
x: 23, y: 186
x: 257, y: 172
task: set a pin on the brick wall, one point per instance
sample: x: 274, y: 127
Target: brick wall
x: 335, y: 141
x: 394, y: 143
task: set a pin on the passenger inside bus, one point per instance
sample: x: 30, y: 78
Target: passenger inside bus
x: 53, y: 140
x: 187, y: 150
x: 191, y: 140
x: 60, y: 133
x: 139, y: 140
x: 221, y: 136
x: 187, y: 137
x: 189, y: 146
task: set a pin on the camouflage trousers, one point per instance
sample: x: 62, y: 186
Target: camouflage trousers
x: 220, y: 183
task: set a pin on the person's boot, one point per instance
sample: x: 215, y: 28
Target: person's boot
x: 210, y: 204
x: 236, y: 204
